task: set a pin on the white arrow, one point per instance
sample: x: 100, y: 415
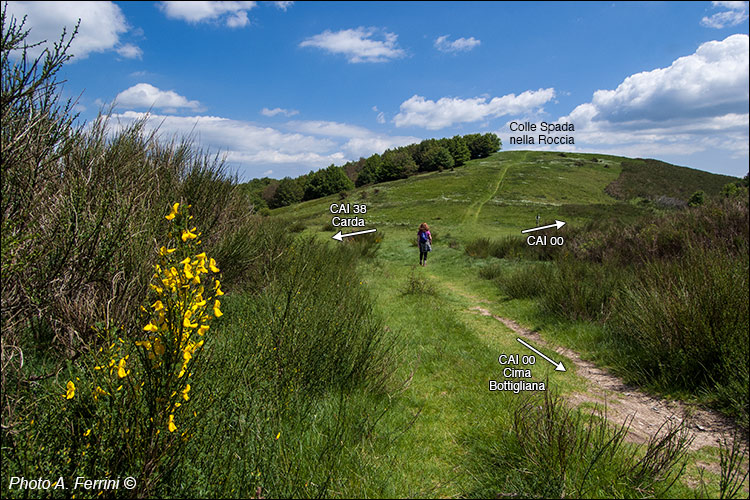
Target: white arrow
x: 338, y: 236
x: 558, y: 366
x: 558, y: 224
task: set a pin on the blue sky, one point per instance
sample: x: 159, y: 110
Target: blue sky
x: 281, y: 88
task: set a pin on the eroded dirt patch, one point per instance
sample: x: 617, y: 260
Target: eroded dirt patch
x: 648, y: 413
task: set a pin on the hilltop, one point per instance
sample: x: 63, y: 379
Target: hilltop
x: 496, y: 196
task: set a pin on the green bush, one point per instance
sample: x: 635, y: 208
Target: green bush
x: 580, y: 290
x: 683, y: 324
x: 697, y: 199
x: 512, y: 247
x: 720, y: 225
x: 365, y: 245
x: 555, y: 451
x: 418, y: 285
x: 524, y: 282
x: 293, y: 374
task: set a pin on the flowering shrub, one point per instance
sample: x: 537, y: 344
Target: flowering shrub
x: 128, y: 409
x: 186, y: 299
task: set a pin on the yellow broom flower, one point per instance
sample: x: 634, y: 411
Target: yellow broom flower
x: 188, y: 234
x: 143, y: 343
x: 173, y: 212
x: 217, y: 311
x: 172, y: 427
x: 186, y: 322
x: 121, y: 369
x: 71, y: 390
x: 99, y: 392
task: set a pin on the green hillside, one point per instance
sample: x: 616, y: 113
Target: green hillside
x: 465, y: 441
x: 504, y: 193
x: 652, y: 179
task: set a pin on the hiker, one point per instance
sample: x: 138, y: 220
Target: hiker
x: 424, y: 240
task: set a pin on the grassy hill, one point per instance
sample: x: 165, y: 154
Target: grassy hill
x: 458, y: 438
x: 652, y: 179
x: 504, y: 193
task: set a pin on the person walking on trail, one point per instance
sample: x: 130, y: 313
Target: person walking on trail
x: 424, y: 240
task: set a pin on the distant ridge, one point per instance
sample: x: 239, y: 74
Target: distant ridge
x: 653, y: 179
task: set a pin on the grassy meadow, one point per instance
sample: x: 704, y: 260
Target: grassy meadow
x: 154, y: 327
x: 625, y: 263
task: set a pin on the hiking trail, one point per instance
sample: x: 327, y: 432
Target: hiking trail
x: 649, y: 414
x: 473, y: 213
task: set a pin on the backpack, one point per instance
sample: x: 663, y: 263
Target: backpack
x: 423, y: 237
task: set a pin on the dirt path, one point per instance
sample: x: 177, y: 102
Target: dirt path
x: 648, y: 413
x: 473, y: 213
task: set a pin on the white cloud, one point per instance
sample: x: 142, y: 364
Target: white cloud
x: 381, y: 118
x: 735, y: 14
x: 233, y: 14
x: 710, y: 82
x: 358, y: 45
x: 260, y: 151
x: 283, y: 5
x: 278, y: 111
x: 130, y: 51
x: 102, y: 24
x: 446, y: 111
x: 360, y: 141
x: 459, y: 45
x: 144, y: 95
x: 238, y: 19
x: 328, y: 128
x: 242, y: 142
x: 700, y: 102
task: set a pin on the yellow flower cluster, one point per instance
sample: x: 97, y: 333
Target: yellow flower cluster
x: 155, y: 370
x: 186, y: 292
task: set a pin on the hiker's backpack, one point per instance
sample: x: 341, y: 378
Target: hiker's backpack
x: 423, y: 237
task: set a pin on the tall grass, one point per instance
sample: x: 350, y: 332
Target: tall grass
x: 683, y: 324
x: 281, y: 395
x: 511, y: 247
x: 418, y: 285
x: 581, y: 290
x: 522, y: 282
x: 555, y: 451
x: 297, y: 364
x: 366, y: 245
x: 671, y: 290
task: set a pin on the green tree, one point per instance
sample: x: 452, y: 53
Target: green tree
x: 420, y: 152
x: 438, y: 158
x: 288, y: 192
x: 697, y: 199
x: 397, y: 164
x: 370, y: 172
x: 459, y: 150
x: 327, y: 181
x: 482, y: 145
